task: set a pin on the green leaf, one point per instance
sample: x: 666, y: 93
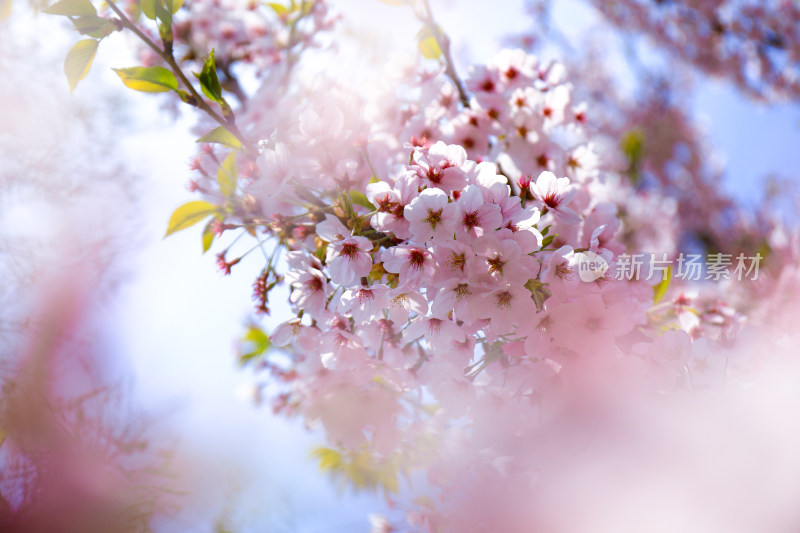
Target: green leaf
x: 93, y: 26
x: 221, y: 135
x: 164, y: 15
x: 279, y: 9
x: 208, y: 236
x: 428, y: 44
x: 660, y: 289
x: 547, y: 241
x: 71, y: 8
x: 209, y: 82
x: 79, y: 61
x: 148, y: 8
x: 188, y: 215
x: 174, y: 5
x: 358, y: 197
x: 255, y: 343
x: 228, y: 175
x: 320, y: 252
x: 148, y: 79
x: 5, y: 9
x: 329, y: 460
x: 632, y: 145
x: 539, y: 292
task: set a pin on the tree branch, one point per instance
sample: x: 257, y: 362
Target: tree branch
x: 196, y: 99
x: 444, y: 44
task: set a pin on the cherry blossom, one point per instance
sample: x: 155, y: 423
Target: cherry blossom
x: 554, y: 194
x: 588, y: 325
x: 474, y: 217
x: 427, y: 218
x: 441, y: 166
x: 431, y: 230
x: 413, y: 263
x: 349, y: 259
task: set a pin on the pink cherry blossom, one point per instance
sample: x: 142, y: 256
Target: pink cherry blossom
x: 311, y: 291
x: 441, y: 166
x: 402, y: 302
x: 440, y: 333
x: 504, y: 307
x: 503, y: 261
x: 331, y: 229
x: 390, y: 202
x: 413, y: 263
x: 554, y: 194
x: 589, y: 326
x: 363, y: 302
x: 474, y: 217
x: 429, y: 221
x: 349, y: 259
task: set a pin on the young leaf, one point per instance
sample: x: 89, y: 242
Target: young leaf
x: 163, y: 14
x: 174, y: 5
x: 255, y: 343
x: 329, y: 460
x: 71, y: 8
x: 633, y: 146
x: 148, y: 8
x: 319, y: 253
x: 93, y: 26
x: 221, y: 135
x: 188, y: 215
x: 148, y: 79
x: 428, y: 44
x: 539, y: 292
x: 208, y: 235
x: 358, y: 197
x: 79, y: 61
x: 227, y: 175
x: 279, y: 9
x: 209, y: 82
x: 660, y: 289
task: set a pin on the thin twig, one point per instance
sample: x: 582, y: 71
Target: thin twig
x: 196, y: 99
x: 444, y: 44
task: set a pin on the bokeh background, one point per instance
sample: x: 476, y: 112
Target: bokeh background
x: 92, y: 298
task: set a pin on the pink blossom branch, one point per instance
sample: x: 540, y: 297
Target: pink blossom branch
x: 195, y: 98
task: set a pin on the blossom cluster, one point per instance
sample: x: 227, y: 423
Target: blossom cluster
x: 267, y: 37
x: 441, y: 321
x: 431, y: 234
x: 459, y: 255
x: 647, y: 132
x: 439, y: 303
